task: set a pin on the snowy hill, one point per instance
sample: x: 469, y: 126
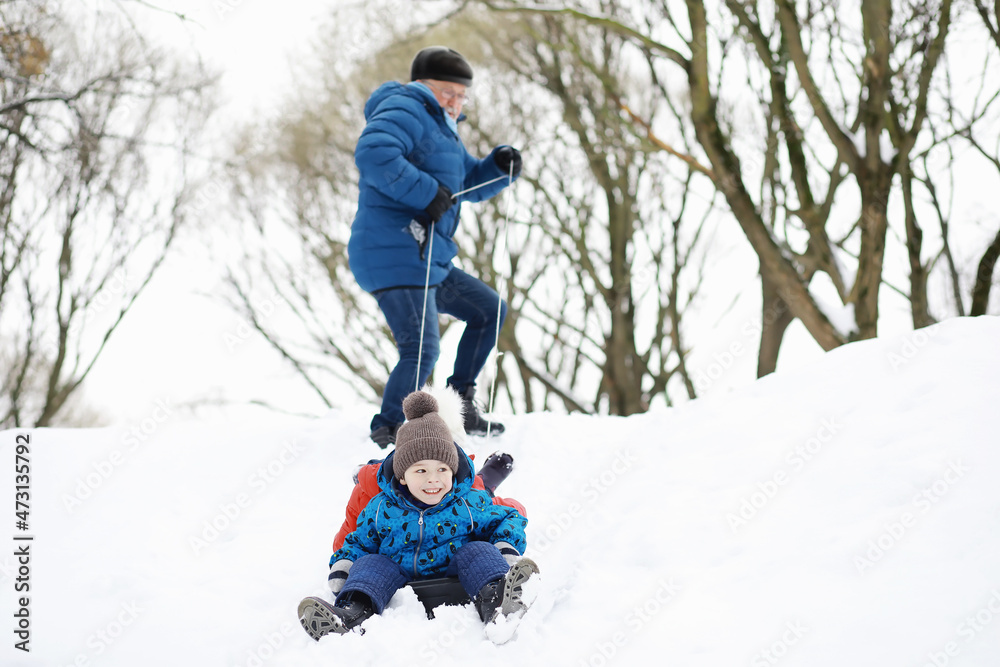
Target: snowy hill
x: 844, y: 514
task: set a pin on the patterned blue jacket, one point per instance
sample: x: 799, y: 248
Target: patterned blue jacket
x: 405, y: 151
x: 422, y: 541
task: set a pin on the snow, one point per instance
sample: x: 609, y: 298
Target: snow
x: 840, y: 514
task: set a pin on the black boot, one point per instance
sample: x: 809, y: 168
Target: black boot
x: 319, y: 618
x: 504, y: 597
x: 354, y: 609
x: 384, y: 436
x: 474, y: 422
x: 496, y: 469
x: 488, y: 600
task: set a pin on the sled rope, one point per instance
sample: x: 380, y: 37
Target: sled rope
x: 476, y: 187
x: 427, y: 283
x: 427, y: 279
x: 423, y: 314
x: 496, y: 340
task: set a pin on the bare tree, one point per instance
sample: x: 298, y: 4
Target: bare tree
x: 590, y: 268
x: 596, y: 275
x: 983, y: 283
x: 841, y: 96
x: 95, y: 143
x: 294, y: 187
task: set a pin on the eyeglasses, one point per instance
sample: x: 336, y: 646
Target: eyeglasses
x: 449, y: 95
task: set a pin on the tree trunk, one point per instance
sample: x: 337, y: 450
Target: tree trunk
x: 874, y: 226
x: 774, y: 266
x: 873, y: 175
x: 919, y: 304
x: 623, y: 367
x: 984, y: 277
x: 775, y: 318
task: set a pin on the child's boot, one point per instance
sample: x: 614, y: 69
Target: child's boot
x: 496, y: 469
x: 319, y: 618
x: 504, y: 597
x: 488, y: 600
x: 475, y: 424
x: 383, y: 436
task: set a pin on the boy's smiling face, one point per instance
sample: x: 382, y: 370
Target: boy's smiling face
x: 428, y: 481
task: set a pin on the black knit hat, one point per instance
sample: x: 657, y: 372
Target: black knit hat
x: 424, y: 436
x: 442, y: 64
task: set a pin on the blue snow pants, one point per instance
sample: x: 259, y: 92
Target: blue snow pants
x: 475, y: 564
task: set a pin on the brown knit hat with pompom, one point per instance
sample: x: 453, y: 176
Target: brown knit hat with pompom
x: 424, y: 436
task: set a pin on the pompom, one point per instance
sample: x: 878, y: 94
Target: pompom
x: 418, y: 404
x: 450, y: 409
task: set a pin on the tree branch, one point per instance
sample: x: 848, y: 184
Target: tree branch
x: 691, y: 161
x: 792, y: 33
x: 605, y: 22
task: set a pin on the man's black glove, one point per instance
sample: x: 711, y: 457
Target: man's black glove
x: 439, y: 205
x: 507, y: 156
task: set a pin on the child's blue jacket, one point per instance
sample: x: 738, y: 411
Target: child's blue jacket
x: 422, y: 541
x: 406, y: 150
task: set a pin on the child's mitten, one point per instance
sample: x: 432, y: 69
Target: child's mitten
x: 509, y: 553
x: 338, y: 574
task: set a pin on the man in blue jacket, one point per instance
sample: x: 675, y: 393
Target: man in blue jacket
x: 411, y: 161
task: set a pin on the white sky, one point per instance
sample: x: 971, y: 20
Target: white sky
x: 177, y: 345
x: 252, y: 41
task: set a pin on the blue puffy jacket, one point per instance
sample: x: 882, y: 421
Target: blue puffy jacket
x: 423, y: 540
x: 405, y: 151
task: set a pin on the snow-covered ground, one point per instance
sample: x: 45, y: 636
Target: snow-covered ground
x: 843, y: 514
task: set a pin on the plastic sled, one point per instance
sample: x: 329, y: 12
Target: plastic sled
x: 436, y: 592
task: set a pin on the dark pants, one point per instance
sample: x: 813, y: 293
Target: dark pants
x: 459, y: 295
x: 475, y: 564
